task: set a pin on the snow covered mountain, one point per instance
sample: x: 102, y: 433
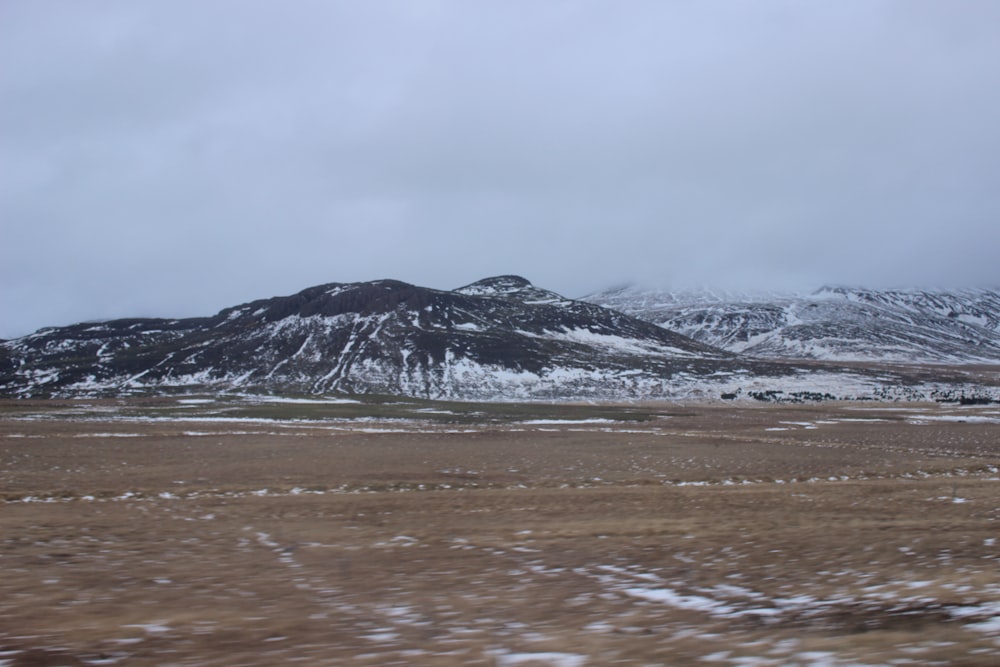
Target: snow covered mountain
x: 497, y: 337
x: 833, y: 323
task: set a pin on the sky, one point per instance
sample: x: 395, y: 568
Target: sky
x: 174, y: 157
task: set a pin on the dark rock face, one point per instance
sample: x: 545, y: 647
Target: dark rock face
x: 503, y: 338
x: 833, y: 323
x: 499, y: 337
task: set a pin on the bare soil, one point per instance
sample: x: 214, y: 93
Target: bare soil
x: 832, y: 534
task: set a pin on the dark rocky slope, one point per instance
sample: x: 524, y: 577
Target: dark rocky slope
x: 497, y: 337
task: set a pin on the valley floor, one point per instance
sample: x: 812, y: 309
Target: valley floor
x: 182, y: 532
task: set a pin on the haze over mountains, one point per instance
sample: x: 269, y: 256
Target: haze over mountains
x: 832, y: 323
x: 503, y: 338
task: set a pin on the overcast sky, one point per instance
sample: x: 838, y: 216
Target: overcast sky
x: 170, y: 158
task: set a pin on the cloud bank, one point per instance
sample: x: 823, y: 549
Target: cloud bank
x: 173, y: 158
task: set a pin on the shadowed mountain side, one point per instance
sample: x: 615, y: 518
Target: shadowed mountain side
x: 384, y: 336
x: 497, y: 339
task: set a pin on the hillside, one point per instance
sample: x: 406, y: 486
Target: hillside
x: 497, y: 337
x: 833, y: 323
x: 500, y: 338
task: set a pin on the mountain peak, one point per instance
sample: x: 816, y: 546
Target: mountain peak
x: 512, y: 287
x: 498, y: 337
x: 496, y: 286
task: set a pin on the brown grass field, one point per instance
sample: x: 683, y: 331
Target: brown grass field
x: 228, y: 531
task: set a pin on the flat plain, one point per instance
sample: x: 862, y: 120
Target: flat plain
x: 240, y: 530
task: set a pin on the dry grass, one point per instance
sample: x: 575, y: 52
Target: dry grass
x: 702, y: 538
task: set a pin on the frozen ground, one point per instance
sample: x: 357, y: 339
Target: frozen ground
x: 855, y: 535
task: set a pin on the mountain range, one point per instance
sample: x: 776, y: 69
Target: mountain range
x: 500, y: 338
x: 832, y: 323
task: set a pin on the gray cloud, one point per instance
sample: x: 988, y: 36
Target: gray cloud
x: 172, y: 158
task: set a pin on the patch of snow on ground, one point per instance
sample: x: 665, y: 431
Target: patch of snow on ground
x: 552, y: 658
x: 152, y: 628
x: 987, y: 615
x: 674, y: 599
x: 308, y: 401
x: 808, y: 425
x: 970, y: 419
x: 549, y: 422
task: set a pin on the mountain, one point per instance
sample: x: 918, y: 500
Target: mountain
x: 499, y: 337
x: 833, y: 323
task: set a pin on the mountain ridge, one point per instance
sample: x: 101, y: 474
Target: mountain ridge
x: 835, y: 323
x: 385, y: 335
x: 499, y: 338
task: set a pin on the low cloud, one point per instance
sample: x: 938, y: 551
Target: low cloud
x: 175, y: 158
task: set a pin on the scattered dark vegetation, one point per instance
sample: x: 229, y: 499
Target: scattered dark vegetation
x: 769, y: 396
x: 961, y: 398
x: 976, y: 400
x: 779, y: 396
